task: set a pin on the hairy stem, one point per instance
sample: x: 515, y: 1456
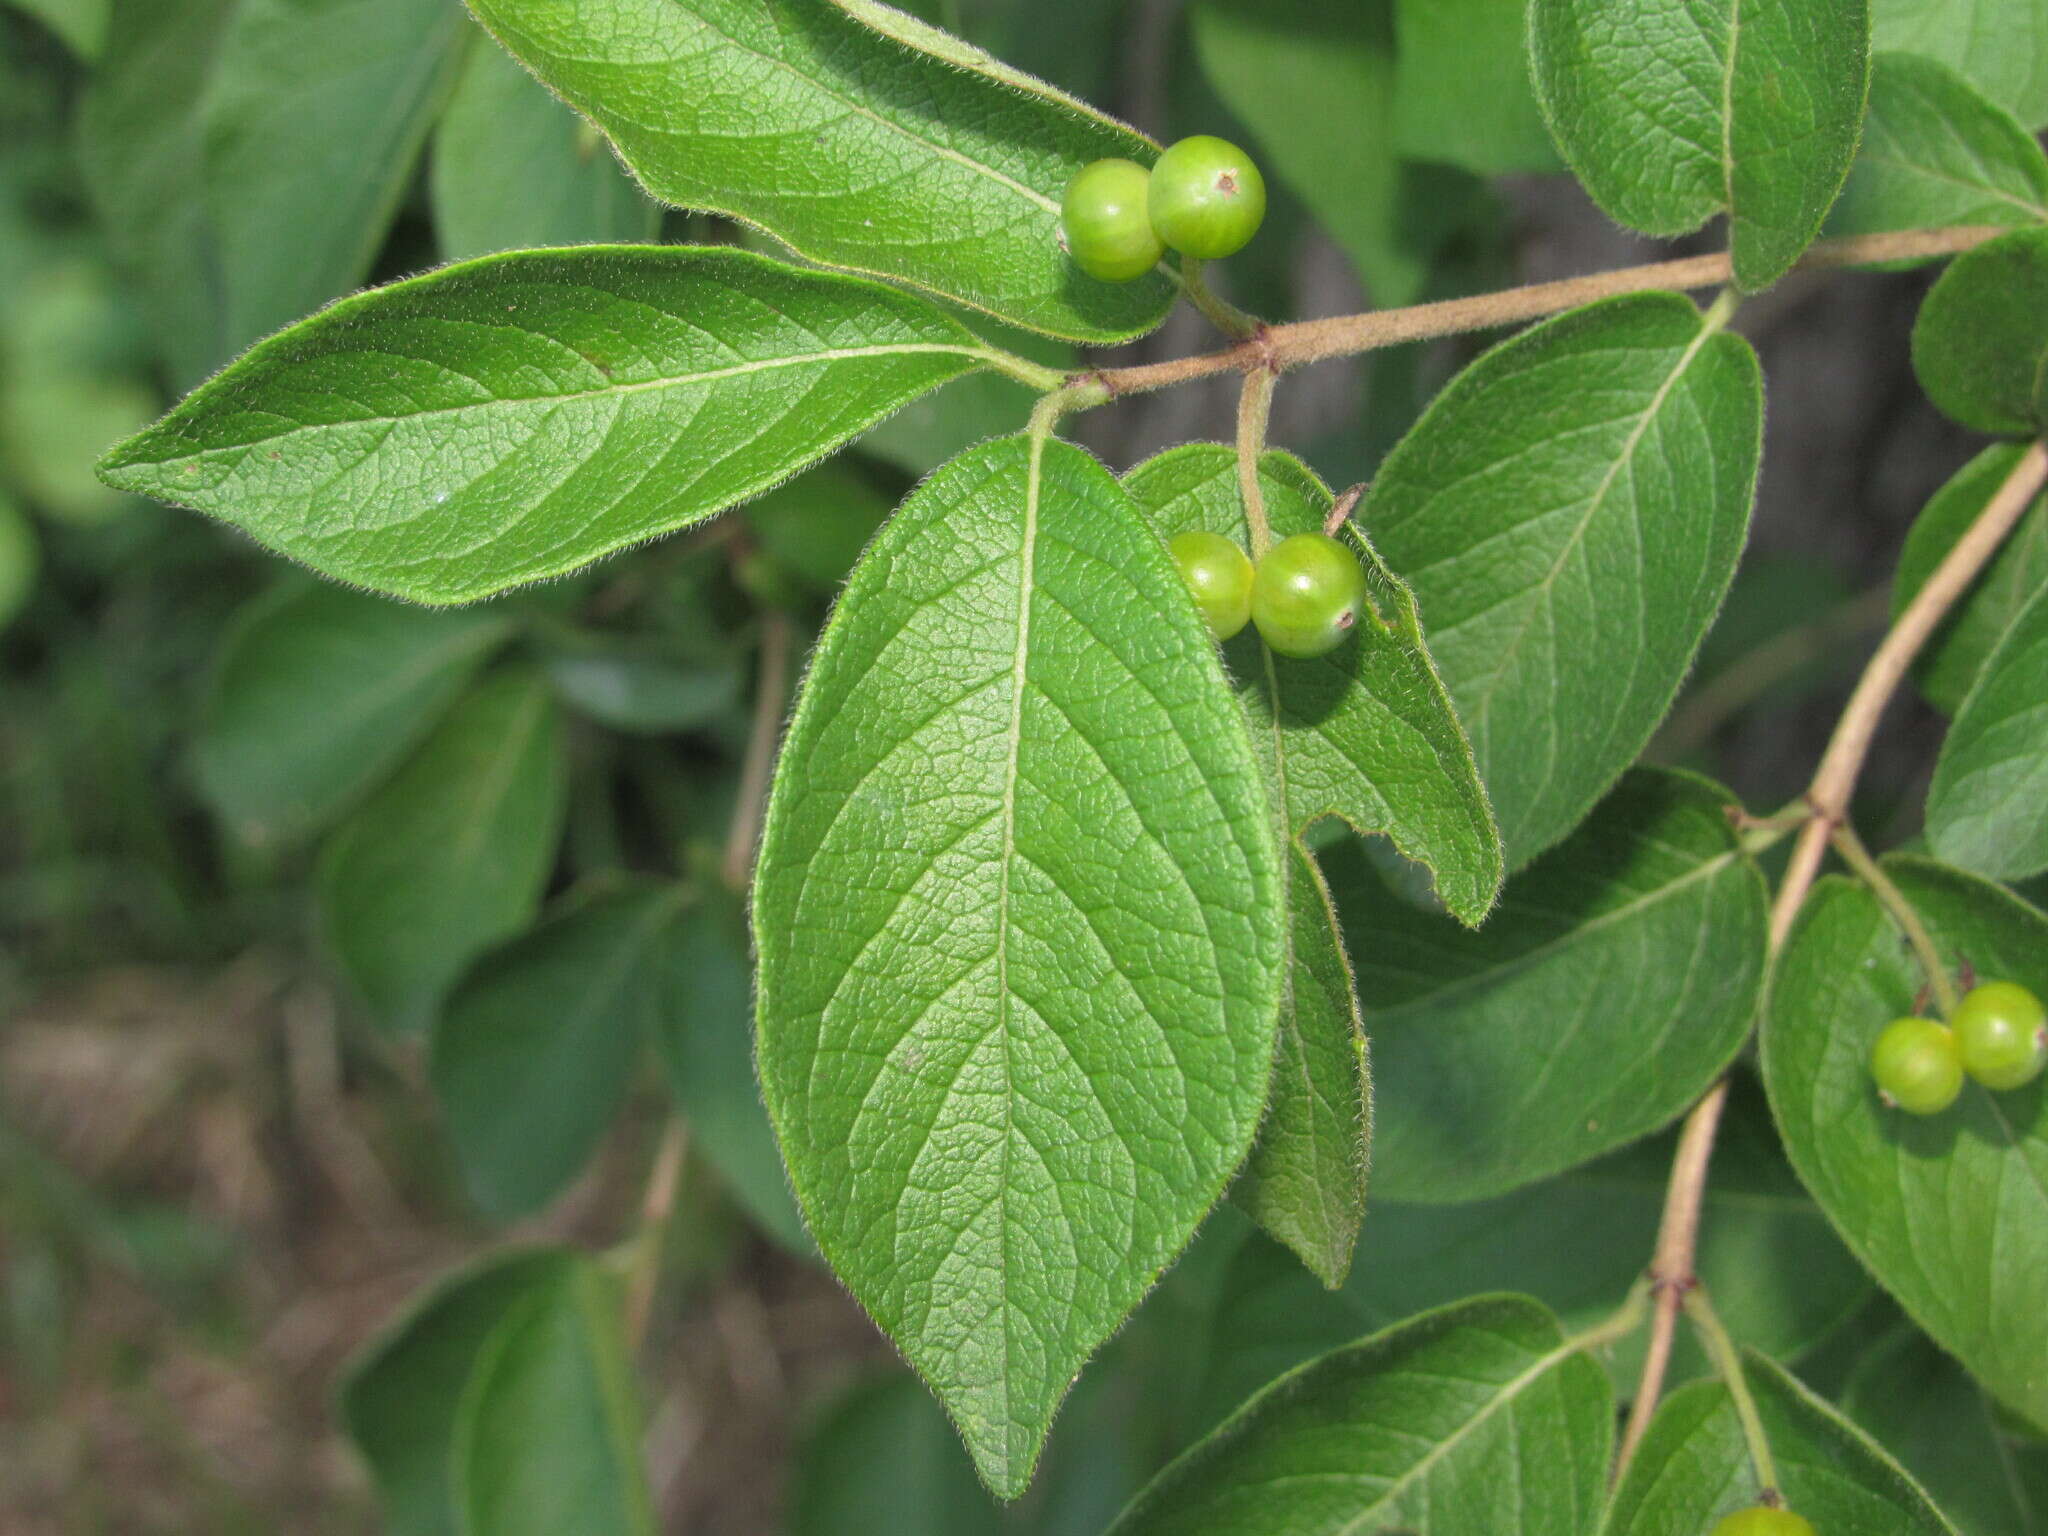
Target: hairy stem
x: 1220, y: 312
x: 1728, y: 1364
x: 1254, y: 410
x: 778, y: 639
x: 1894, y: 901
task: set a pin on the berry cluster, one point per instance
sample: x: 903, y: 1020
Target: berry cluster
x: 1305, y: 595
x: 1205, y: 198
x: 1998, y: 1034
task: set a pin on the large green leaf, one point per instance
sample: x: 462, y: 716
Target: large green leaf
x: 1614, y: 984
x: 1018, y: 918
x: 858, y: 135
x: 1780, y: 1277
x: 519, y: 416
x: 2000, y: 46
x: 1923, y: 1407
x: 1980, y: 346
x: 246, y: 156
x: 533, y: 1051
x: 1935, y: 152
x: 81, y: 23
x: 512, y: 168
x: 451, y: 854
x: 1479, y: 1417
x: 1951, y: 1212
x: 1671, y: 111
x: 1987, y: 809
x: 1952, y: 658
x: 1693, y: 1466
x: 1569, y: 513
x: 1365, y: 733
x: 547, y: 1436
x: 319, y: 693
x: 399, y: 1398
x: 884, y: 1459
x: 1462, y: 92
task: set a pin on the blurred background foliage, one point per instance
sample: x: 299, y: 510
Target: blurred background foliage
x: 282, y: 863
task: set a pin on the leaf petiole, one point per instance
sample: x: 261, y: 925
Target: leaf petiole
x: 1721, y: 1349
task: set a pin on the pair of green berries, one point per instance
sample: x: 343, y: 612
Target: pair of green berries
x: 1204, y: 198
x: 1998, y: 1035
x: 1764, y: 1520
x: 1305, y: 595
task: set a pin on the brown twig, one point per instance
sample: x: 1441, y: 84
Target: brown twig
x: 772, y: 688
x: 657, y: 1204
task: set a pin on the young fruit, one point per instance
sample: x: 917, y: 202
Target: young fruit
x: 1917, y: 1066
x: 1764, y: 1521
x: 1220, y: 576
x: 1208, y: 198
x: 1307, y: 594
x: 1109, y: 230
x: 2001, y: 1034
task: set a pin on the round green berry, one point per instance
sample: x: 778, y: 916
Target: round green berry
x: 1307, y: 594
x: 2001, y: 1034
x: 1917, y: 1066
x: 1208, y: 198
x: 1107, y: 223
x: 1764, y: 1521
x: 1220, y: 576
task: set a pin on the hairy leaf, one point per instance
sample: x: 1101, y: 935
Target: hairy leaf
x: 1614, y: 984
x: 450, y: 855
x: 1935, y: 152
x: 246, y: 156
x: 1478, y: 1417
x: 1671, y: 111
x: 512, y: 168
x: 1980, y: 346
x: 520, y: 416
x: 1951, y: 660
x: 534, y: 1050
x: 2000, y: 46
x: 319, y: 693
x: 855, y: 134
x: 1987, y: 809
x: 1949, y: 1212
x: 1462, y: 92
x: 1569, y: 513
x: 399, y: 1398
x: 1018, y: 918
x: 1693, y: 1466
x: 547, y: 1437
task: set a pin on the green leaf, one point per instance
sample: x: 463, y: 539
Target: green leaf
x: 1478, y: 1417
x: 1462, y: 93
x: 1980, y: 346
x: 707, y: 1046
x: 450, y: 856
x: 1615, y: 982
x: 1671, y: 112
x: 1305, y: 1180
x: 512, y: 167
x: 246, y: 156
x: 20, y: 559
x: 1950, y: 1213
x: 1923, y: 1407
x: 399, y: 1398
x: 1779, y: 1276
x: 1951, y: 660
x: 547, y: 1437
x: 534, y: 1050
x: 639, y: 686
x: 1693, y: 1466
x: 857, y: 135
x: 1569, y: 513
x: 1018, y: 918
x: 1999, y: 46
x: 81, y: 23
x: 817, y: 524
x: 1985, y: 807
x: 884, y: 1459
x: 318, y: 694
x: 520, y: 416
x: 1366, y: 733
x: 1935, y: 152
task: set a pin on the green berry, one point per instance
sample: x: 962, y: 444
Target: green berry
x: 2001, y: 1034
x: 1220, y: 576
x: 1107, y: 223
x: 1208, y: 198
x: 1917, y: 1066
x: 1764, y: 1521
x: 1307, y: 594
